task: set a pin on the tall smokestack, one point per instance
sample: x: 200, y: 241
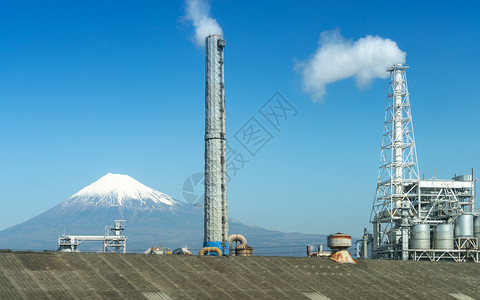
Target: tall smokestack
x: 216, y: 216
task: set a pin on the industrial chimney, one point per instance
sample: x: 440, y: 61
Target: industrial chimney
x: 216, y: 216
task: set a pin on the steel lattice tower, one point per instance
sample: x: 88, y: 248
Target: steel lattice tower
x: 216, y: 216
x: 398, y: 171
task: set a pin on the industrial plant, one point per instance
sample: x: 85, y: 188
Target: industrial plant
x: 415, y: 218
x: 105, y: 102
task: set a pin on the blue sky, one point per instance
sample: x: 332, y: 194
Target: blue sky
x: 88, y: 88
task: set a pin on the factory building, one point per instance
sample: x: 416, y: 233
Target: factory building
x: 415, y: 218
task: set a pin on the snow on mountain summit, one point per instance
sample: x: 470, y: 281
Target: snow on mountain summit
x: 120, y: 191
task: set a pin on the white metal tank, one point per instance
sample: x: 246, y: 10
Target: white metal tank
x: 476, y: 228
x: 443, y: 237
x: 464, y: 226
x: 420, y: 238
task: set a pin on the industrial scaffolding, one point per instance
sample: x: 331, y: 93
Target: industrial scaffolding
x: 402, y: 199
x: 116, y: 243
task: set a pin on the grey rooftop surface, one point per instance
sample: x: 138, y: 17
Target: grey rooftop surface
x: 53, y: 275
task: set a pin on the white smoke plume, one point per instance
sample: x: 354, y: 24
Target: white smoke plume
x: 338, y: 58
x: 198, y: 12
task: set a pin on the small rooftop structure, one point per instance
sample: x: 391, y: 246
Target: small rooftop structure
x: 339, y: 243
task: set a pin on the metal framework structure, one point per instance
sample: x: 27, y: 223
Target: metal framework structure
x: 398, y: 171
x: 402, y: 199
x: 466, y: 249
x: 216, y: 215
x: 115, y: 243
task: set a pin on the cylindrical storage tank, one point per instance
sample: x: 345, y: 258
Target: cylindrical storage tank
x: 443, y: 237
x: 339, y: 241
x: 476, y: 228
x: 420, y: 238
x: 464, y: 226
x: 243, y: 250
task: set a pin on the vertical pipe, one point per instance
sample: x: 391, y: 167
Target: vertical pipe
x: 398, y: 129
x: 225, y: 247
x: 376, y: 240
x: 216, y: 218
x: 365, y: 244
x: 471, y: 198
x: 398, y: 137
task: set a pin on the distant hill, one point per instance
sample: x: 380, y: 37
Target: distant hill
x: 152, y: 218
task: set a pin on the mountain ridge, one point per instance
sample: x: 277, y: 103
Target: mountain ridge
x: 152, y: 218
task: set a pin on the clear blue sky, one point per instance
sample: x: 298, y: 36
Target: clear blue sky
x: 93, y: 87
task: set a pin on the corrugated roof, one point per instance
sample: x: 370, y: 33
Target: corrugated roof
x: 136, y: 276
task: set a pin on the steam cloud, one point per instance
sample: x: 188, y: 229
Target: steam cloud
x: 198, y: 12
x: 338, y: 58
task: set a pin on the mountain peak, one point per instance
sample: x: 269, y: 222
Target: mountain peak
x: 121, y: 191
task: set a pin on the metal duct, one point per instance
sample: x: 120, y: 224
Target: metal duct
x: 237, y: 238
x: 208, y: 250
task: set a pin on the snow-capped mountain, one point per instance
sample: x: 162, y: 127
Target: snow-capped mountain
x: 117, y: 190
x: 152, y: 218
